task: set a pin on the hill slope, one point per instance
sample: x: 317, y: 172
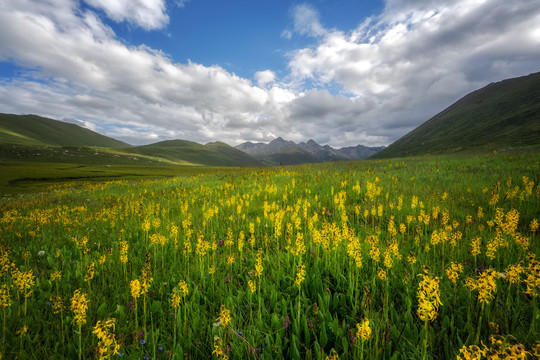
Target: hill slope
x: 212, y: 154
x: 37, y: 130
x: 35, y: 138
x: 501, y: 115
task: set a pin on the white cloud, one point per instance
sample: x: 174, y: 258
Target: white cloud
x: 265, y: 77
x: 418, y: 57
x: 286, y: 34
x: 148, y: 14
x: 306, y: 21
x: 372, y: 84
x: 83, y: 71
x: 181, y: 3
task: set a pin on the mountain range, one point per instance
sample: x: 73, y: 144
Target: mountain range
x: 280, y: 151
x: 502, y: 115
x: 35, y: 138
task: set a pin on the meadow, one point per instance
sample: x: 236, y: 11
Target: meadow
x: 415, y: 258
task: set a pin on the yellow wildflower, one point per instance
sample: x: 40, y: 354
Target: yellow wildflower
x: 79, y: 306
x: 453, y: 272
x: 534, y: 226
x: 252, y: 286
x: 89, y: 272
x: 428, y: 298
x: 5, y: 299
x: 57, y: 275
x: 258, y: 264
x: 57, y: 304
x: 364, y: 331
x: 22, y: 331
x: 224, y: 316
x: 135, y: 287
x: 175, y: 300
x: 107, y: 345
x: 382, y: 274
x: 183, y: 288
x: 300, y: 275
x: 219, y: 349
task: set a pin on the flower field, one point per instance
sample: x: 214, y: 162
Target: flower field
x: 426, y: 258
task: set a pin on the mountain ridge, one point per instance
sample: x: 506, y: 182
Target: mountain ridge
x: 37, y: 130
x: 503, y: 114
x: 286, y: 152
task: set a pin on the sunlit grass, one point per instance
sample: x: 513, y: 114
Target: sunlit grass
x: 430, y: 257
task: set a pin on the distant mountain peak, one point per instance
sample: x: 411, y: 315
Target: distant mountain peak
x: 280, y: 151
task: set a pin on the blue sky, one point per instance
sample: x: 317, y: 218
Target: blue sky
x: 341, y: 72
x: 241, y: 36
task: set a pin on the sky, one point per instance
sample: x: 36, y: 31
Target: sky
x: 340, y: 72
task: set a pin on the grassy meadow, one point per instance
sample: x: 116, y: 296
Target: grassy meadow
x: 416, y: 258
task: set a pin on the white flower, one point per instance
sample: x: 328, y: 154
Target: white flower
x: 41, y: 253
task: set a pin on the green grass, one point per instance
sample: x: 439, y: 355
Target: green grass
x: 216, y: 230
x: 31, y: 177
x: 500, y: 116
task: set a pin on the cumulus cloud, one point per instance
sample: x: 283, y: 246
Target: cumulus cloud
x: 369, y: 85
x: 148, y: 14
x: 418, y: 57
x: 265, y: 77
x: 84, y: 71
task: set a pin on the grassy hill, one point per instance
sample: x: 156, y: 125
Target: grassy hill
x: 212, y: 154
x: 501, y: 115
x: 37, y: 130
x: 32, y: 138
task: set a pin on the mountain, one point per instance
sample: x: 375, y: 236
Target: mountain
x: 276, y: 152
x: 34, y: 138
x: 188, y: 152
x: 280, y: 151
x: 501, y: 115
x: 37, y: 130
x: 359, y: 151
x: 327, y: 153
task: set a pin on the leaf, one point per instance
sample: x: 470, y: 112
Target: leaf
x: 156, y: 308
x: 102, y: 311
x: 294, y: 348
x: 323, y: 338
x: 345, y: 344
x: 307, y: 333
x: 317, y: 350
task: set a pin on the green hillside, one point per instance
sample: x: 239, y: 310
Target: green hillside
x: 501, y: 115
x: 34, y: 138
x: 37, y: 130
x: 213, y: 154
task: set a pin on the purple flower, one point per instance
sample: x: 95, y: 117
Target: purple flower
x: 142, y: 342
x: 286, y: 322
